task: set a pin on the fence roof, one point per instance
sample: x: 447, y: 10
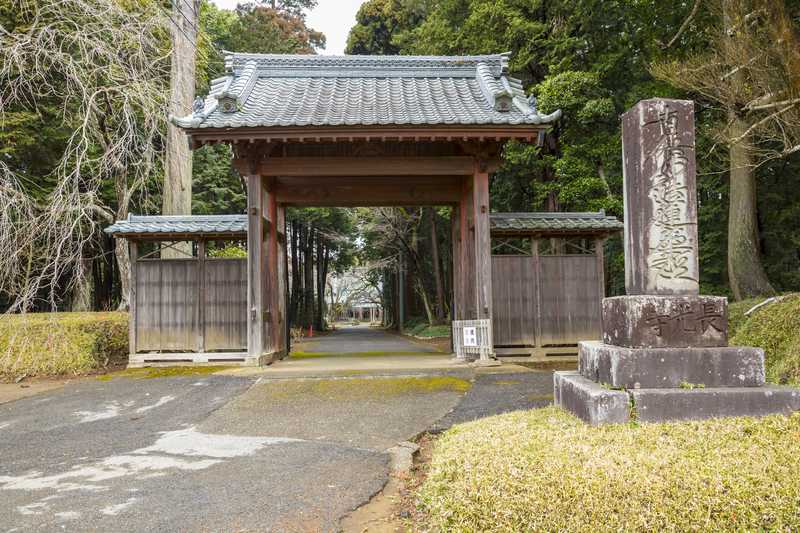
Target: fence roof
x: 276, y: 90
x: 233, y: 226
x: 554, y: 223
x: 224, y: 226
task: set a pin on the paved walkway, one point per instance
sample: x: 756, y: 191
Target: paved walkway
x: 209, y: 453
x: 357, y: 350
x: 272, y: 451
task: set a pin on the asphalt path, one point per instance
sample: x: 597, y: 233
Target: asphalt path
x: 128, y: 455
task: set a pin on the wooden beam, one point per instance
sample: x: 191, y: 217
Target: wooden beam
x: 358, y: 133
x: 320, y: 191
x: 366, y: 166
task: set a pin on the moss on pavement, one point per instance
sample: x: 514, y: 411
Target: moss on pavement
x: 364, y: 388
x: 163, y: 372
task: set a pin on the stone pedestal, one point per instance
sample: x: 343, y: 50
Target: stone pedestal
x: 660, y: 378
x: 664, y: 353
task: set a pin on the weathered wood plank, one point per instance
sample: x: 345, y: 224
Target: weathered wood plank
x: 570, y: 307
x: 167, y: 302
x: 226, y: 304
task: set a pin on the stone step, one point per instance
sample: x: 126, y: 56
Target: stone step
x: 657, y: 405
x: 589, y: 401
x: 596, y: 404
x: 645, y: 368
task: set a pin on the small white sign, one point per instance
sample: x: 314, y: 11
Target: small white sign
x: 471, y: 337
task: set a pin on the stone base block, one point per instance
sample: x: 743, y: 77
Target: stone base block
x: 589, y: 401
x: 646, y: 321
x: 659, y: 405
x: 634, y: 368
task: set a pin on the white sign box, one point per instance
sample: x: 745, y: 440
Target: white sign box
x: 471, y: 337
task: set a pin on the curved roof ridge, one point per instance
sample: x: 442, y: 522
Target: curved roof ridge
x: 480, y: 92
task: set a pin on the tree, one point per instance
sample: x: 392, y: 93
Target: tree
x: 261, y: 29
x: 94, y: 73
x: 379, y: 22
x: 752, y: 70
x: 177, y: 193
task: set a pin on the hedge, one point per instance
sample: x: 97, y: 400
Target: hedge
x: 545, y: 470
x: 54, y: 344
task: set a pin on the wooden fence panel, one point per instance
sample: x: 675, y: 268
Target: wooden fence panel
x: 226, y: 304
x: 514, y: 298
x: 166, y: 305
x: 569, y: 299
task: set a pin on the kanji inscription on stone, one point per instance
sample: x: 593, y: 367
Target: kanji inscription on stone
x: 661, y: 254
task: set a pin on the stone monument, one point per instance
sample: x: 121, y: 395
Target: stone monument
x: 664, y: 353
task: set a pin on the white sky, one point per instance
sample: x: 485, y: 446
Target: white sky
x: 334, y: 18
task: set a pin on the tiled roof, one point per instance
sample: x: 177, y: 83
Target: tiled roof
x: 554, y: 222
x: 193, y: 224
x: 266, y: 90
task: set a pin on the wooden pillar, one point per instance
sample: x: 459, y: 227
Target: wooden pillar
x: 466, y: 227
x: 133, y: 254
x: 483, y: 241
x: 201, y: 296
x: 282, y: 275
x: 257, y: 340
x: 274, y: 341
x: 458, y: 271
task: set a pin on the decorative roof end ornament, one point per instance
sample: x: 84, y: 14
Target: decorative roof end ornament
x: 532, y: 104
x: 227, y: 102
x: 198, y: 106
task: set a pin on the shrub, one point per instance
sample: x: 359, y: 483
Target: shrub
x: 545, y: 470
x: 776, y: 328
x: 51, y: 344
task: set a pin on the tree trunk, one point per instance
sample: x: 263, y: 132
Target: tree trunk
x: 437, y: 268
x: 82, y: 292
x: 745, y: 272
x: 177, y: 199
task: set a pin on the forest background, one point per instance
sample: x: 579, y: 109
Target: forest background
x: 82, y: 135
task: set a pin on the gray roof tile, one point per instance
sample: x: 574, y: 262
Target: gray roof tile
x: 192, y: 224
x: 554, y: 222
x: 265, y: 90
x: 237, y: 224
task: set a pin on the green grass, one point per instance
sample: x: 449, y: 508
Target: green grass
x: 55, y: 344
x: 776, y: 328
x: 545, y: 470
